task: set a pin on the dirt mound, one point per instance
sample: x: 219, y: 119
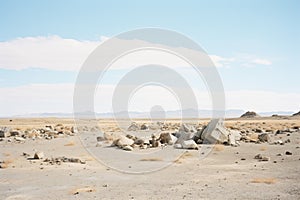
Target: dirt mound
x: 249, y: 114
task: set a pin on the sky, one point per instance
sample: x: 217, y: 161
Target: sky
x: 255, y: 46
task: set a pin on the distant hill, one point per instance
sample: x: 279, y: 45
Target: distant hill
x: 231, y: 113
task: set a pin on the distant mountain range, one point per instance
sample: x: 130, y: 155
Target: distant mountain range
x: 190, y: 113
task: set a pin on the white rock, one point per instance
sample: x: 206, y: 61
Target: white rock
x: 177, y: 146
x: 124, y: 141
x: 189, y: 144
x: 19, y: 139
x: 127, y: 148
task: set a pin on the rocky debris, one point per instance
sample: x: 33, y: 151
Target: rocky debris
x: 100, y: 139
x: 215, y: 132
x: 38, y: 155
x: 155, y: 142
x: 187, y: 128
x: 48, y: 132
x: 264, y: 137
x: 265, y: 159
x: 128, y: 148
x: 189, y: 144
x: 249, y: 114
x: 63, y: 159
x: 133, y: 127
x: 288, y: 153
x: 123, y: 141
x: 260, y: 157
x: 184, y: 136
x: 144, y: 127
x: 167, y: 138
x: 15, y: 133
x: 278, y: 142
x: 19, y: 139
x: 4, y: 132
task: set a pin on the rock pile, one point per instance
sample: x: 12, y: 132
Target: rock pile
x: 48, y: 132
x: 186, y: 136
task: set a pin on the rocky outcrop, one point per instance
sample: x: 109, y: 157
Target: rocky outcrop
x: 249, y: 114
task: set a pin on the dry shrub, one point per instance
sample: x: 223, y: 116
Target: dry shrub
x: 6, y: 154
x: 263, y: 148
x: 219, y: 147
x: 151, y: 159
x: 264, y: 180
x: 80, y: 190
x: 6, y: 163
x: 182, y: 157
x: 71, y: 143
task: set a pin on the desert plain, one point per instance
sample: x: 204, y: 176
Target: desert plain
x: 64, y: 168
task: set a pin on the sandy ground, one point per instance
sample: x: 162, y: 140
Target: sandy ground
x: 226, y: 173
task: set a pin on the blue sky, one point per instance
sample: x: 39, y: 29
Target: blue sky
x: 256, y: 43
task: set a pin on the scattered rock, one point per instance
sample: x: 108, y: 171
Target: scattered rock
x: 59, y: 160
x: 123, y: 141
x: 19, y: 139
x: 38, y: 155
x: 279, y: 142
x: 4, y: 132
x: 144, y: 127
x: 100, y: 138
x: 139, y: 141
x: 15, y: 133
x: 189, y: 144
x: 133, y: 127
x: 265, y: 159
x: 258, y: 156
x: 264, y: 137
x: 128, y: 148
x: 167, y: 138
x: 187, y: 128
x: 288, y: 153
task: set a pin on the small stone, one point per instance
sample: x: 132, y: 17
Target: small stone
x: 264, y: 137
x: 15, y: 133
x: 4, y: 132
x: 189, y: 144
x: 265, y: 159
x: 38, y: 155
x: 19, y: 139
x: 288, y: 153
x: 100, y: 139
x: 128, y: 148
x: 177, y: 146
x: 144, y: 127
x: 258, y: 156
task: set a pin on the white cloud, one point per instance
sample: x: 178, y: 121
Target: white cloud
x: 221, y: 61
x: 261, y: 61
x: 56, y: 53
x: 52, y: 52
